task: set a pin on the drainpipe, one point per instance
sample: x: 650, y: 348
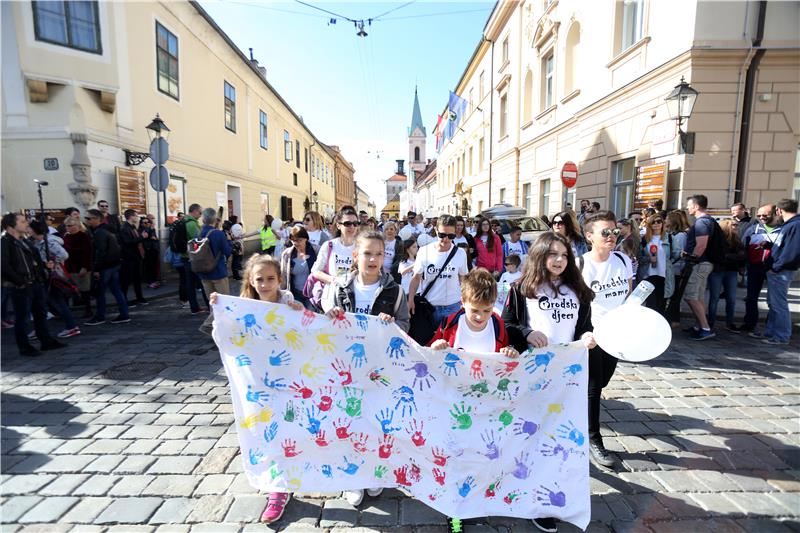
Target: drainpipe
x: 747, y: 106
x: 491, y: 120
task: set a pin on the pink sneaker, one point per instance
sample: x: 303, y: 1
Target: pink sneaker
x: 276, y: 504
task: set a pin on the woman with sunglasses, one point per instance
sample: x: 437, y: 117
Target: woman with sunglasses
x: 488, y: 249
x: 565, y: 223
x: 655, y: 263
x: 629, y: 243
x: 315, y: 227
x: 335, y: 257
x: 296, y: 263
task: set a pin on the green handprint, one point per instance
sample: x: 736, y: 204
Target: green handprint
x: 288, y: 414
x: 352, y: 402
x: 380, y: 471
x: 461, y: 414
x: 476, y: 389
x: 505, y: 418
x: 274, y: 471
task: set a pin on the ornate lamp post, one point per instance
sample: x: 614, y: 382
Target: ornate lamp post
x: 680, y: 103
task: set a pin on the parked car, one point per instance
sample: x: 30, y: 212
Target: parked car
x: 509, y: 215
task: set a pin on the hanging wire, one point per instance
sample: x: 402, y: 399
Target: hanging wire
x: 337, y: 15
x: 440, y: 13
x: 269, y: 8
x: 392, y: 10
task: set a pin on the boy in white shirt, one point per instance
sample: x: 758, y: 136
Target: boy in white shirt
x: 512, y: 274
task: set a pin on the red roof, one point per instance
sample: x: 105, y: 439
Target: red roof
x: 398, y: 177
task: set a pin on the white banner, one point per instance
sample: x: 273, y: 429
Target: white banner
x: 324, y: 406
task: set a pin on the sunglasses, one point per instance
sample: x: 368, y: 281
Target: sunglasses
x: 306, y: 220
x: 762, y: 216
x: 450, y: 236
x: 508, y: 264
x: 558, y: 222
x: 103, y: 206
x: 350, y: 224
x: 658, y: 221
x: 606, y: 233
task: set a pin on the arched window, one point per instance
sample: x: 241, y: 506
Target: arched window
x: 527, y: 106
x: 572, y: 54
x: 416, y: 153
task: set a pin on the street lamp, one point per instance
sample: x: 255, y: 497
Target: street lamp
x: 680, y: 103
x: 157, y: 129
x: 314, y: 198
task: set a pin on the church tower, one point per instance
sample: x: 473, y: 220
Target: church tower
x: 416, y: 139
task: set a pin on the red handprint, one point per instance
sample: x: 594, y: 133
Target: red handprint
x: 439, y: 457
x: 301, y: 391
x: 385, y: 449
x: 490, y: 490
x: 321, y: 440
x: 289, y: 448
x: 341, y: 321
x: 308, y: 318
x: 325, y: 400
x: 360, y: 442
x: 415, y: 430
x: 476, y: 369
x: 341, y: 429
x: 343, y: 370
x: 506, y: 369
x: 415, y: 474
x: 439, y: 476
x: 400, y: 476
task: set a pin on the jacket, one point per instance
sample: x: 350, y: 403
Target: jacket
x: 221, y: 247
x: 491, y: 260
x: 515, y: 315
x: 105, y: 249
x: 669, y: 256
x: 192, y: 229
x: 54, y: 246
x: 754, y: 239
x: 112, y: 223
x: 389, y: 299
x: 506, y: 250
x: 79, y: 248
x: 785, y: 254
x: 287, y: 257
x: 130, y: 242
x: 399, y: 256
x: 447, y: 331
x: 19, y: 263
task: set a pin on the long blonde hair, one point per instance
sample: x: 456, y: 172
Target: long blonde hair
x: 248, y: 291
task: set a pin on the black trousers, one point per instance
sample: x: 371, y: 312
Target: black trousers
x: 131, y: 273
x: 656, y: 300
x: 601, y: 369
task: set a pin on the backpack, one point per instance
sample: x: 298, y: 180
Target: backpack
x: 201, y: 256
x: 178, y: 238
x: 717, y: 247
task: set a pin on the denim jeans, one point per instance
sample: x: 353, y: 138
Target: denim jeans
x: 779, y: 320
x: 109, y: 279
x: 756, y: 275
x: 192, y: 282
x: 58, y: 301
x: 30, y: 300
x: 716, y: 282
x: 441, y: 312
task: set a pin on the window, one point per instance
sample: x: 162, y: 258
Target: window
x: 305, y: 159
x: 297, y: 153
x: 623, y: 172
x: 632, y: 17
x: 503, y: 195
x: 294, y: 178
x: 481, y: 152
x: 480, y: 87
x: 544, y: 197
x: 262, y: 130
x: 167, y: 61
x: 287, y: 146
x: 548, y: 85
x: 471, y: 100
x: 71, y: 24
x: 470, y: 160
x: 505, y: 51
x: 230, y: 107
x: 526, y: 99
x: 526, y: 198
x: 571, y: 70
x: 503, y: 116
x: 416, y: 153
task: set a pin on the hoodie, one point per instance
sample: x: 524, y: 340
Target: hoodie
x: 785, y: 255
x: 389, y: 299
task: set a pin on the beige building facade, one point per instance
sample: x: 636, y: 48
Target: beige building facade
x: 564, y: 80
x: 84, y: 98
x: 345, y: 181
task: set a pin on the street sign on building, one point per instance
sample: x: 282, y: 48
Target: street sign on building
x: 651, y: 184
x: 51, y: 163
x: 131, y: 190
x: 569, y: 174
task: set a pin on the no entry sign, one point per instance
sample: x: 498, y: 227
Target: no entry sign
x: 569, y: 174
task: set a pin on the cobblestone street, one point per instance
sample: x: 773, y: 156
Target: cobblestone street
x: 707, y: 435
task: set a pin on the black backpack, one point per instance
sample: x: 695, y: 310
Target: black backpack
x: 717, y: 247
x: 178, y: 238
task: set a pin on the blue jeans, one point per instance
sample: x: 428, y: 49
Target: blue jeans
x: 109, y: 279
x: 27, y: 301
x: 191, y: 282
x: 779, y: 320
x: 756, y: 275
x: 441, y: 312
x: 58, y: 301
x: 716, y: 282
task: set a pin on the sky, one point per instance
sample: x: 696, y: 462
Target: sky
x: 358, y: 92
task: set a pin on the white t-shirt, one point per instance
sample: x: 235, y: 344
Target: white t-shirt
x: 339, y: 262
x: 514, y: 248
x: 447, y: 289
x: 425, y: 239
x: 314, y: 238
x: 405, y: 280
x: 660, y: 268
x: 409, y: 230
x: 474, y: 341
x: 365, y: 296
x: 503, y: 287
x: 388, y: 254
x: 610, y: 281
x: 555, y: 315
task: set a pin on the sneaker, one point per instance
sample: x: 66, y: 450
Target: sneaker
x: 52, y: 345
x: 756, y: 335
x: 374, y: 492
x: 69, y: 333
x: 132, y: 304
x: 7, y: 324
x: 32, y: 336
x: 29, y: 351
x: 774, y: 341
x: 600, y: 455
x: 354, y: 497
x: 691, y: 329
x: 200, y: 311
x: 545, y: 524
x: 733, y: 328
x: 95, y: 322
x: 276, y: 504
x: 121, y: 319
x: 454, y: 525
x: 141, y: 301
x: 703, y: 334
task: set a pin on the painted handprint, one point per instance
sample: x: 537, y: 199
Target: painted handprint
x: 405, y: 396
x: 422, y: 375
x: 414, y: 429
x: 380, y: 471
x: 275, y: 384
x: 289, y: 412
x: 279, y: 359
x: 326, y: 471
x: 491, y: 490
x: 540, y: 385
x: 350, y: 468
x: 572, y: 372
x: 376, y: 376
x: 414, y: 472
x: 343, y: 370
x: 362, y: 321
x: 238, y: 340
x: 505, y: 369
x: 292, y: 338
x: 342, y: 428
x: 243, y: 360
x: 396, y: 348
x: 301, y: 390
x: 310, y: 370
x: 554, y: 409
x: 401, y: 476
x: 385, y: 447
x: 308, y: 318
x: 534, y: 361
x: 359, y: 442
x: 466, y: 486
x: 475, y: 389
x: 548, y: 450
x: 385, y: 418
x: 450, y: 362
x: 522, y: 469
x: 289, y: 446
x: 506, y: 389
x: 274, y: 471
x: 550, y: 498
x: 320, y: 439
x: 439, y: 476
x: 313, y: 423
x: 250, y: 421
x: 324, y: 343
x: 256, y: 456
x: 352, y: 402
x: 513, y: 495
x: 476, y: 369
x: 505, y: 418
x: 526, y: 427
x: 359, y: 357
x: 293, y: 481
x: 461, y: 415
x: 272, y: 318
x: 325, y: 398
x: 570, y: 432
x: 271, y: 432
x: 250, y: 326
x: 439, y: 458
x: 341, y: 321
x: 492, y: 450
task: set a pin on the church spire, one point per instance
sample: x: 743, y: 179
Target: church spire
x: 416, y: 117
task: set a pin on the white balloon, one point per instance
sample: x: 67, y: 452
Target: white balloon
x: 633, y: 333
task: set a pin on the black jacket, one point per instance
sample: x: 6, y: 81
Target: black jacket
x: 515, y: 315
x: 21, y: 264
x: 129, y: 240
x: 389, y: 299
x: 399, y: 257
x: 105, y: 249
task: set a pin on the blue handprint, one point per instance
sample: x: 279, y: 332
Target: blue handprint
x: 349, y: 468
x: 314, y: 423
x: 492, y: 451
x: 256, y: 456
x: 273, y: 383
x: 243, y: 360
x: 397, y: 348
x: 448, y: 366
x: 405, y: 395
x: 250, y: 325
x: 422, y: 375
x: 279, y: 359
x: 550, y: 498
x: 385, y: 420
x: 270, y: 432
x: 359, y: 354
x: 466, y: 486
x: 326, y: 471
x: 362, y: 321
x: 540, y: 359
x: 571, y: 433
x: 257, y: 396
x: 572, y: 370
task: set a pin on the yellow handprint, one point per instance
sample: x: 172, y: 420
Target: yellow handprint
x: 273, y: 318
x: 293, y: 480
x: 293, y: 339
x: 324, y: 342
x: 554, y: 408
x: 238, y: 340
x: 264, y: 415
x: 311, y: 371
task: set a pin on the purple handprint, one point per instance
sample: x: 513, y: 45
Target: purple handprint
x: 526, y: 427
x: 522, y: 470
x: 492, y: 451
x: 550, y: 498
x: 422, y: 375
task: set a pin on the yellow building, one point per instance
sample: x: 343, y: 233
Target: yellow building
x: 345, y: 183
x: 82, y: 101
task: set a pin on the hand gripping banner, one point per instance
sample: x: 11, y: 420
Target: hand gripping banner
x: 328, y: 405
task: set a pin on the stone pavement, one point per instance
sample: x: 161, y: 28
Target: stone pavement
x: 707, y: 435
